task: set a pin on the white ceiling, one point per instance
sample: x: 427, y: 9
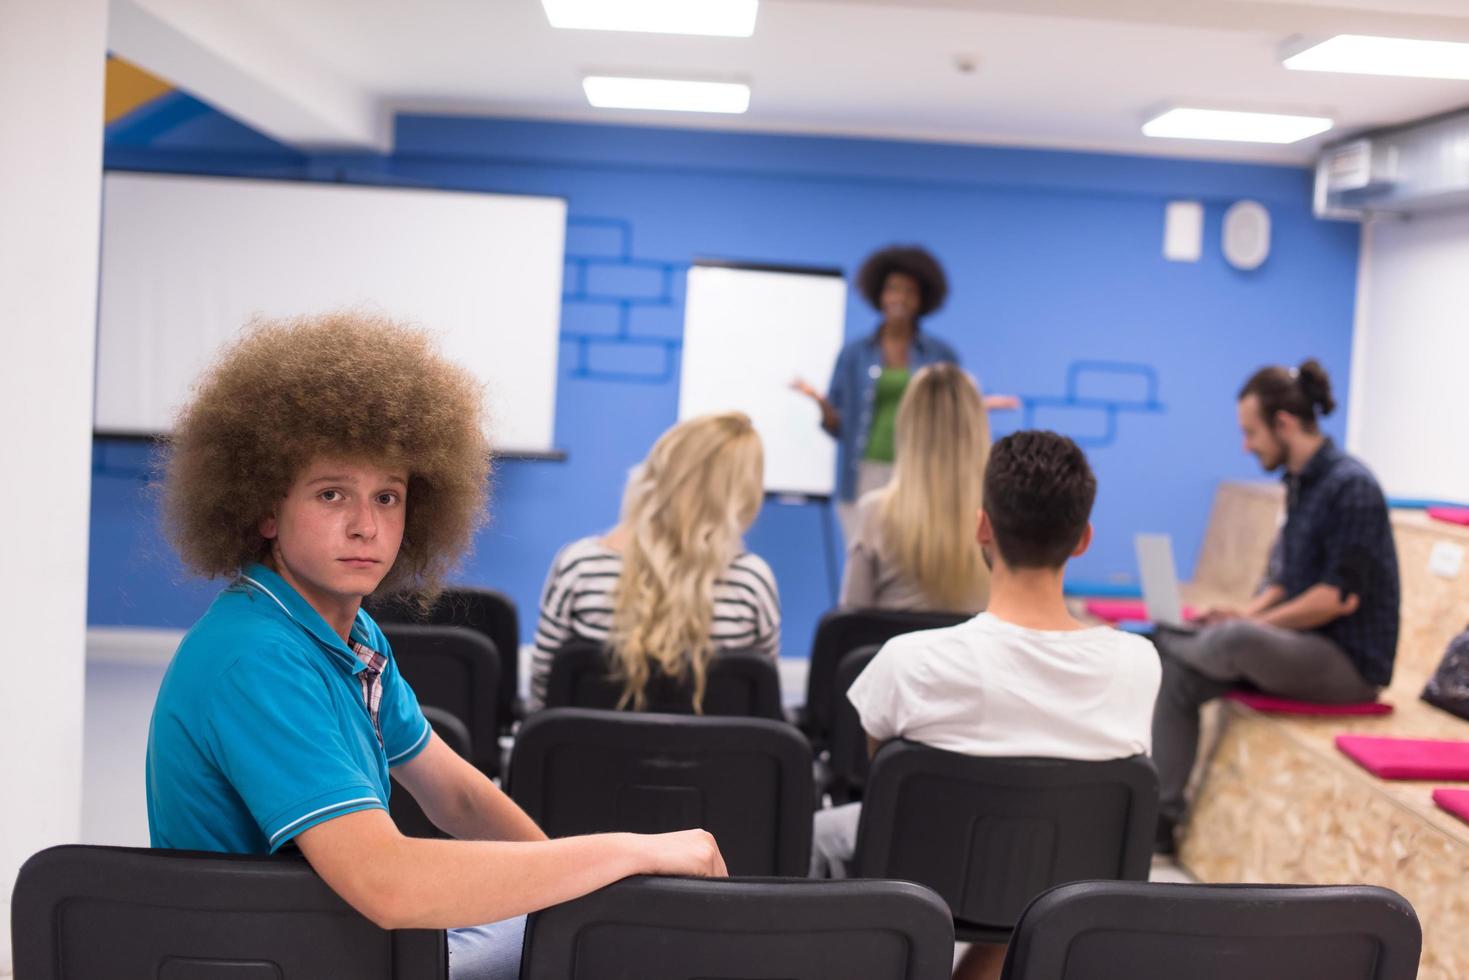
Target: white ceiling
x: 1066, y: 73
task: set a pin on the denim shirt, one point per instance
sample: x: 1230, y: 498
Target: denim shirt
x: 853, y: 385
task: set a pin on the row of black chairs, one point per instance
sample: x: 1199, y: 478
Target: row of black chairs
x: 455, y: 664
x: 1021, y: 826
x: 986, y: 834
x: 103, y: 913
x: 740, y: 688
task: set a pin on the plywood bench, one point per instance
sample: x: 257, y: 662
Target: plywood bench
x: 1276, y: 802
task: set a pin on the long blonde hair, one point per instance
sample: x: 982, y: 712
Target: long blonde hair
x: 684, y: 512
x: 928, y: 511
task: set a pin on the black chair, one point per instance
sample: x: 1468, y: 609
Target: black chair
x: 745, y: 780
x: 849, y: 763
x: 95, y: 913
x: 740, y: 683
x: 485, y: 611
x: 458, y: 670
x: 402, y: 807
x: 991, y: 834
x: 838, y: 634
x: 794, y: 929
x: 1098, y: 930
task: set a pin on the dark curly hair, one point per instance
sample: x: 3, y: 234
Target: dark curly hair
x: 342, y: 384
x: 1038, y: 493
x: 911, y: 260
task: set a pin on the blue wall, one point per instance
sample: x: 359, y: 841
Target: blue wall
x: 1060, y: 294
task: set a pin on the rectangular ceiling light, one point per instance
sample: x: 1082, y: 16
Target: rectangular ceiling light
x: 1359, y: 54
x: 610, y: 92
x: 1242, y: 127
x: 721, y: 18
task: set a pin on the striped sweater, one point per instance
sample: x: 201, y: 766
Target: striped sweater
x: 577, y: 605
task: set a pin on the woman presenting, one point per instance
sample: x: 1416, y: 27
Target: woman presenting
x: 903, y: 283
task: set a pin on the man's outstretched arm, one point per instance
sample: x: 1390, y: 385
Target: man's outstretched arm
x: 460, y: 800
x: 411, y: 883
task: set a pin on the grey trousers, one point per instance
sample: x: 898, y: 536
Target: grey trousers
x: 1199, y: 667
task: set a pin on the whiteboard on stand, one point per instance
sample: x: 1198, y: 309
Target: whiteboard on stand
x: 749, y: 331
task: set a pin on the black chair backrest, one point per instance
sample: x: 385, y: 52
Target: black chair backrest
x: 1097, y: 930
x: 458, y: 670
x: 486, y: 611
x: 745, y: 780
x: 991, y: 834
x: 850, y: 762
x: 841, y: 632
x: 402, y: 807
x: 89, y: 913
x: 794, y: 929
x: 740, y: 683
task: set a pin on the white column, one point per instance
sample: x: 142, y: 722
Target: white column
x: 52, y: 60
x: 1407, y: 418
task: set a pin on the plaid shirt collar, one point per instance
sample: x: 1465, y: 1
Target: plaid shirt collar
x: 371, y: 678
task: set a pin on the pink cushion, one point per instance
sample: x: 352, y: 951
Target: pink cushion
x: 1454, y: 515
x: 1455, y: 801
x: 1272, y: 705
x: 1124, y: 610
x: 1407, y: 758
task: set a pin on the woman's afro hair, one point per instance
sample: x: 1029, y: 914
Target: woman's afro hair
x: 933, y: 285
x: 344, y: 385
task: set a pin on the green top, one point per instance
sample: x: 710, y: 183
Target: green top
x: 885, y: 399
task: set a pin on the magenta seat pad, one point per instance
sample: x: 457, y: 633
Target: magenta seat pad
x: 1407, y: 758
x: 1124, y: 610
x: 1455, y: 801
x: 1270, y: 704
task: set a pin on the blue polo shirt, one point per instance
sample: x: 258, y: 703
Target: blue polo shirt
x: 260, y: 729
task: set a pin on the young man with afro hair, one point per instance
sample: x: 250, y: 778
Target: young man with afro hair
x: 320, y: 461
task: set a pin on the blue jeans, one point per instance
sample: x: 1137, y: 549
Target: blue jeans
x: 488, y: 952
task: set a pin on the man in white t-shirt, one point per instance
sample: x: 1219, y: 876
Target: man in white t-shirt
x: 1023, y: 678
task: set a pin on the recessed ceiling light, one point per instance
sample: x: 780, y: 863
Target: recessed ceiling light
x: 1243, y: 127
x: 721, y: 18
x: 1359, y: 54
x: 610, y: 92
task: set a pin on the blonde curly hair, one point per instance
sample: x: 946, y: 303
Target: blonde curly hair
x: 685, y: 510
x: 344, y: 384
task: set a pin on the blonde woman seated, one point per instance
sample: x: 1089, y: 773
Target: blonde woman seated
x: 671, y: 585
x: 911, y: 547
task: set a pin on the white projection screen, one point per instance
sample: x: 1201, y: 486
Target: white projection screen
x: 749, y: 331
x: 188, y: 261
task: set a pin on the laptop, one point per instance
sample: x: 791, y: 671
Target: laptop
x: 1159, y: 579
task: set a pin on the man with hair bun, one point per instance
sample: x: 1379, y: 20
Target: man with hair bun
x: 1324, y: 626
x: 323, y: 460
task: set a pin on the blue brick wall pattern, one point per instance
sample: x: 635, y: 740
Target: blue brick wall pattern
x: 1056, y: 265
x: 1106, y: 410
x: 605, y: 287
